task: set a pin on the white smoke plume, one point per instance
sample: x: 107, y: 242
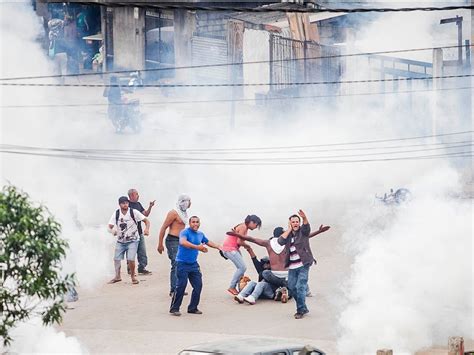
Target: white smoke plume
x: 394, y: 251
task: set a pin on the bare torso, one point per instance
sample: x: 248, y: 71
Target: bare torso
x: 277, y: 261
x: 176, y: 225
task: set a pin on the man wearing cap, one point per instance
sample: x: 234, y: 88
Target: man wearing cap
x: 123, y: 224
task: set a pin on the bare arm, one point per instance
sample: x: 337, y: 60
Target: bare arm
x: 147, y: 226
x: 240, y: 230
x: 321, y: 229
x: 213, y: 245
x: 148, y: 211
x: 185, y: 243
x: 282, y: 238
x: 170, y: 217
x: 261, y: 242
x: 111, y: 229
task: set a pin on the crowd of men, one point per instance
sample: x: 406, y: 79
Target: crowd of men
x: 282, y: 275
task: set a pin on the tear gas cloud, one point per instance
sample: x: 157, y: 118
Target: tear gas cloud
x: 394, y: 252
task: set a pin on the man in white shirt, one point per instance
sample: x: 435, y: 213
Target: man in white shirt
x: 123, y: 224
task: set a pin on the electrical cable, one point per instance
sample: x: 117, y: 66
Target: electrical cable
x: 243, y: 84
x: 236, y: 64
x: 158, y: 103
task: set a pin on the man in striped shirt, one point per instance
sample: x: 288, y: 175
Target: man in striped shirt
x: 299, y: 259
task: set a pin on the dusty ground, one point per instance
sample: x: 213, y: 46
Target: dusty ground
x: 126, y: 318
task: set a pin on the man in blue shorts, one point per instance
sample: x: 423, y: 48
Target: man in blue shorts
x: 123, y: 224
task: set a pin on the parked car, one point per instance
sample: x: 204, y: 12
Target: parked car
x: 260, y: 346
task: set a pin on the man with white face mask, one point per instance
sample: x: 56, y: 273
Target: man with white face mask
x: 175, y: 220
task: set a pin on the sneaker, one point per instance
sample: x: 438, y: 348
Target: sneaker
x: 233, y: 291
x: 239, y: 298
x: 196, y: 311
x: 306, y: 311
x: 175, y: 313
x: 250, y: 299
x: 284, y: 295
x: 299, y: 315
x: 144, y: 272
x: 277, y: 294
x: 309, y: 294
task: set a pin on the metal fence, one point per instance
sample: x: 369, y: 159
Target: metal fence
x: 302, y: 61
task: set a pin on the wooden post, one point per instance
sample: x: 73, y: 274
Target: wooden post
x: 437, y: 84
x: 235, y: 43
x: 456, y: 346
x: 385, y: 352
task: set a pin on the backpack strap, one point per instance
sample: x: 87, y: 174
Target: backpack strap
x: 133, y: 216
x: 117, y: 213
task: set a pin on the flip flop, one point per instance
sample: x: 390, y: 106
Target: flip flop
x: 135, y: 282
x: 114, y: 281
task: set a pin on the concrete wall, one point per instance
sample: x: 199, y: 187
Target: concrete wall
x: 129, y: 38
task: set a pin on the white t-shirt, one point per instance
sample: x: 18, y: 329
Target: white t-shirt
x: 127, y: 230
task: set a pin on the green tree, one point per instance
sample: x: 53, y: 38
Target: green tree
x: 31, y: 252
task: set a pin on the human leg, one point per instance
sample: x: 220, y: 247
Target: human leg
x: 120, y: 250
x: 131, y: 255
x: 182, y: 280
x: 141, y: 256
x: 301, y: 289
x: 246, y: 291
x: 172, y: 249
x: 239, y: 263
x: 195, y: 278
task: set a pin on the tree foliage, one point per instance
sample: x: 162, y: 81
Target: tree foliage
x: 31, y: 252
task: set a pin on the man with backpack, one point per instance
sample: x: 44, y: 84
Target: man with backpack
x: 123, y: 224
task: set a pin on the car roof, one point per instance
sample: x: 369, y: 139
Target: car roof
x: 247, y: 345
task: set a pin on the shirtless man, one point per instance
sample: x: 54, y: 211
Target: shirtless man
x: 176, y: 221
x: 277, y: 276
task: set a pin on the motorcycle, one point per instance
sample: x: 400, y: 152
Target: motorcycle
x: 401, y: 196
x: 126, y: 115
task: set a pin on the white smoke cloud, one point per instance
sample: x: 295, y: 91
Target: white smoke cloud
x: 409, y: 285
x: 33, y: 338
x: 83, y: 194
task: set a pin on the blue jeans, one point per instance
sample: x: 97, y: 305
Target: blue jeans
x: 248, y: 289
x: 298, y: 285
x: 141, y: 254
x: 130, y: 248
x: 172, y: 244
x: 263, y: 290
x: 273, y: 280
x: 238, y: 261
x: 192, y: 272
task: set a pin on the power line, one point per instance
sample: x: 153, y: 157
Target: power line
x: 241, y: 149
x: 243, y: 162
x: 235, y: 63
x: 253, y: 159
x: 304, y: 97
x: 285, y: 8
x: 242, y: 84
